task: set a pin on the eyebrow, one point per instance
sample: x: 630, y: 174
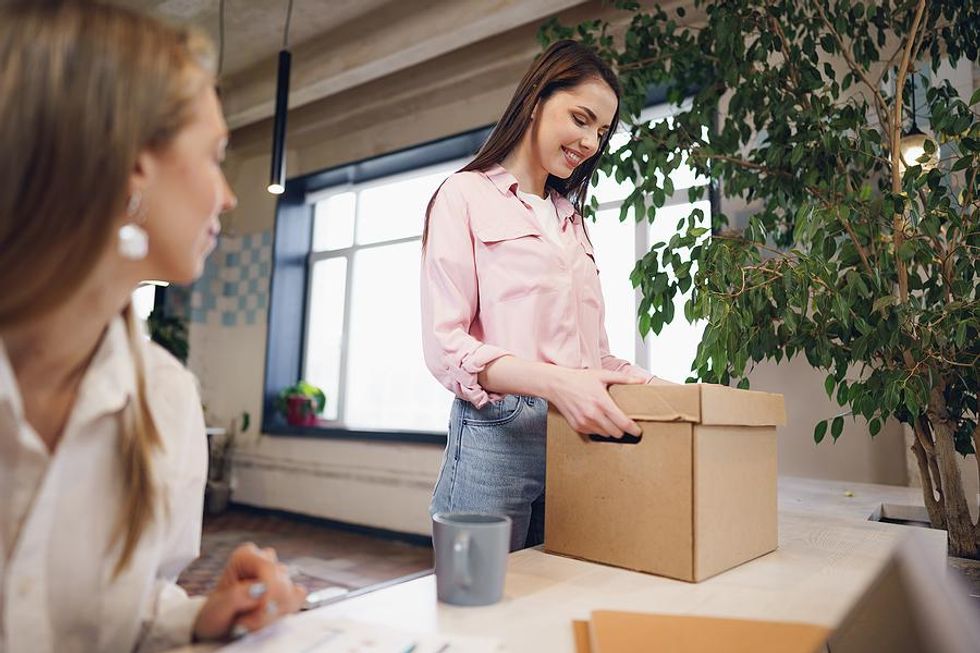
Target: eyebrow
x: 592, y: 115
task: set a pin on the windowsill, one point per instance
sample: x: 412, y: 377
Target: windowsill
x: 332, y: 432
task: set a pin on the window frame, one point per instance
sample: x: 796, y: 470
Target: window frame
x: 286, y: 339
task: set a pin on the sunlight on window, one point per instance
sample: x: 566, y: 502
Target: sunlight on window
x: 325, y: 330
x: 333, y: 222
x: 672, y: 351
x: 388, y: 384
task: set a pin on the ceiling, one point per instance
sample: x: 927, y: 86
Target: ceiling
x: 253, y: 29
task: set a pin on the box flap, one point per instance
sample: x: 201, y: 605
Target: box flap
x: 700, y: 403
x: 631, y: 632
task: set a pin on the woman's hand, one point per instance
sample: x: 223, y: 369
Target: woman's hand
x: 582, y: 397
x: 254, y: 590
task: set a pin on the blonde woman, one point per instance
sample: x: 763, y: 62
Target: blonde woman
x: 112, y: 140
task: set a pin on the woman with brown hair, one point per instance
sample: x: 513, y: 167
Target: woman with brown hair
x: 112, y: 139
x: 512, y: 310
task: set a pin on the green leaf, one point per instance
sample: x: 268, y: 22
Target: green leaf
x: 837, y: 427
x: 828, y: 384
x: 820, y: 431
x: 975, y: 97
x: 874, y: 426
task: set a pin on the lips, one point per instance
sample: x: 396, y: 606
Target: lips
x: 572, y: 157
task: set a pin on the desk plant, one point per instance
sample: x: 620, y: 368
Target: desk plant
x: 864, y: 263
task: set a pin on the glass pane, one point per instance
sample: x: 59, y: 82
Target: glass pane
x: 324, y: 337
x: 608, y: 190
x: 143, y: 299
x: 388, y: 384
x: 396, y: 209
x: 333, y: 222
x: 615, y: 255
x: 673, y: 350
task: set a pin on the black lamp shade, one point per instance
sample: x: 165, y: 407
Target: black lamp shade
x: 277, y: 173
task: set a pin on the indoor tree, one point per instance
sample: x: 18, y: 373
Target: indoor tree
x: 861, y: 260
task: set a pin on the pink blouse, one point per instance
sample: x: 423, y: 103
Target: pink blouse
x: 493, y: 285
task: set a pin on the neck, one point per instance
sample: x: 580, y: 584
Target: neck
x: 50, y: 354
x: 524, y: 165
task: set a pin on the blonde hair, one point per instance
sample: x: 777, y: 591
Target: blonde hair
x: 84, y: 88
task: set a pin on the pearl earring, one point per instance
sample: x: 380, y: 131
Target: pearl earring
x: 134, y: 242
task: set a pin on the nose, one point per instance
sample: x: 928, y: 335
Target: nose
x: 588, y: 144
x: 229, y: 201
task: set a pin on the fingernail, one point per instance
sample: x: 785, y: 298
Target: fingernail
x: 239, y: 631
x: 256, y: 590
x: 272, y: 607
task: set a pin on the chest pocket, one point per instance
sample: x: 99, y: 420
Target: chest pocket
x: 513, y: 259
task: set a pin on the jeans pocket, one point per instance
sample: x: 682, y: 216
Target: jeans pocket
x: 495, y: 413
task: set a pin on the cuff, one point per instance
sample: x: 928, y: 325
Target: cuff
x: 173, y: 625
x: 466, y: 375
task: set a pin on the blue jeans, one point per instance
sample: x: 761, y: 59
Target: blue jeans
x: 495, y: 462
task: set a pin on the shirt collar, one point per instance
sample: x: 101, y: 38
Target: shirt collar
x: 506, y: 183
x: 108, y: 383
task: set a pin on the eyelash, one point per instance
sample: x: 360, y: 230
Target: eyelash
x: 578, y: 121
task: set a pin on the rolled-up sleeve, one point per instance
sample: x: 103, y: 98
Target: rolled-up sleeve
x: 450, y: 300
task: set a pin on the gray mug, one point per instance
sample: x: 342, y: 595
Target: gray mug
x: 471, y: 556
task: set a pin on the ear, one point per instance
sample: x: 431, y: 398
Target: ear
x: 144, y: 171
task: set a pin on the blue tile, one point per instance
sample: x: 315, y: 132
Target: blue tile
x: 230, y: 289
x: 253, y: 286
x: 210, y: 301
x: 198, y: 316
x: 231, y: 259
x: 228, y: 319
x: 247, y: 241
x: 264, y: 268
x: 250, y: 316
x: 267, y: 237
x: 263, y: 300
x: 242, y: 300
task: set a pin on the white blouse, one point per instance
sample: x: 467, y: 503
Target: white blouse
x: 58, y: 511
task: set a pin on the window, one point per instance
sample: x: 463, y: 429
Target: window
x: 348, y: 249
x: 364, y: 341
x: 618, y: 245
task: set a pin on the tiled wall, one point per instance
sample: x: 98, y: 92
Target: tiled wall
x: 234, y: 289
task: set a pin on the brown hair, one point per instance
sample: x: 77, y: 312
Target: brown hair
x: 84, y: 88
x: 564, y: 65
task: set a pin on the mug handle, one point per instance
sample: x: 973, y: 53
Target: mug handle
x: 461, y: 556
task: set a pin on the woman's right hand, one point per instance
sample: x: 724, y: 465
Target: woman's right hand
x: 254, y: 590
x: 582, y: 397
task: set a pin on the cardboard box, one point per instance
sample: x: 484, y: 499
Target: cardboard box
x: 694, y: 496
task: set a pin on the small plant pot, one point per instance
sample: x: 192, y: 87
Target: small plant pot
x: 300, y: 411
x: 217, y: 496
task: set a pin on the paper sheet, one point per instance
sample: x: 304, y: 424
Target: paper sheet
x: 312, y: 635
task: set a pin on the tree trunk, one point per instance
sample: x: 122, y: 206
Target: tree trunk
x: 963, y: 541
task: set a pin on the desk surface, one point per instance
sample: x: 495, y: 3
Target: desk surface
x: 828, y: 553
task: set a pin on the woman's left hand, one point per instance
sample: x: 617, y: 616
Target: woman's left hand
x: 254, y: 590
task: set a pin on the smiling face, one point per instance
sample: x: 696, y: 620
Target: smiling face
x: 568, y: 127
x: 184, y: 191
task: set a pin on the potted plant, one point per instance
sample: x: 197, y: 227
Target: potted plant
x: 221, y: 445
x: 859, y: 243
x: 300, y: 403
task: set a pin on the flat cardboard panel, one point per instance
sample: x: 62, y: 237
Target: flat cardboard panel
x: 628, y: 505
x: 734, y: 496
x: 630, y: 632
x: 580, y: 630
x: 660, y: 403
x: 729, y: 406
x: 700, y: 403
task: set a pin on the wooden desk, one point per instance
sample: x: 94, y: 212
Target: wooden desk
x: 828, y: 553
